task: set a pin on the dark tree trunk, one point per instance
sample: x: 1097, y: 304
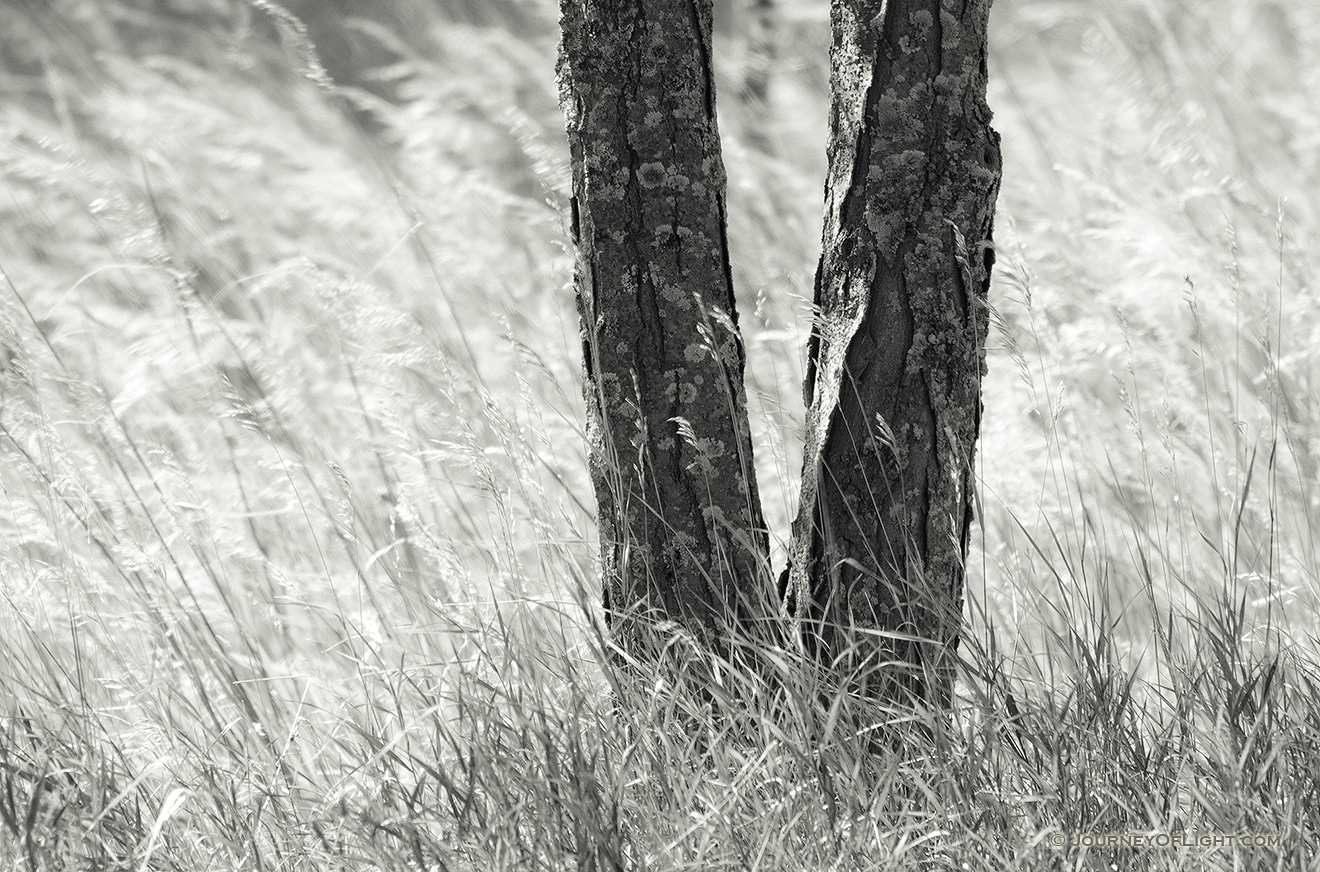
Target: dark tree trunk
x: 670, y: 452
x: 897, y: 351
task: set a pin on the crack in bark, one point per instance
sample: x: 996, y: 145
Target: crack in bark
x: 908, y: 359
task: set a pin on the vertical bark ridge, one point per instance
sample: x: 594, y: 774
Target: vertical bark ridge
x: 669, y: 444
x: 897, y: 349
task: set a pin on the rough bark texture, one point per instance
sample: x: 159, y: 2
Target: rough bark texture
x: 897, y: 351
x: 679, y: 514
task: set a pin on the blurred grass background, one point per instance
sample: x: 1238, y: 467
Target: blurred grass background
x: 296, y: 557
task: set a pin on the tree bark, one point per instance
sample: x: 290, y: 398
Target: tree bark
x: 681, y: 529
x: 897, y: 350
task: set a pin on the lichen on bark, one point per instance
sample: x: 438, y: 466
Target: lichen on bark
x: 897, y: 348
x: 669, y: 444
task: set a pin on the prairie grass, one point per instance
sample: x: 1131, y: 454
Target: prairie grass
x: 296, y: 540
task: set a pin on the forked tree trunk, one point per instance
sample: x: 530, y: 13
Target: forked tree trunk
x: 898, y: 346
x: 679, y: 515
x: 896, y: 354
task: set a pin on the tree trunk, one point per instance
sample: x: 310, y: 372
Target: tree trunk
x: 681, y: 530
x: 898, y: 346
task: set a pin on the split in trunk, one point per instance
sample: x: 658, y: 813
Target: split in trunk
x: 895, y: 357
x: 897, y: 350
